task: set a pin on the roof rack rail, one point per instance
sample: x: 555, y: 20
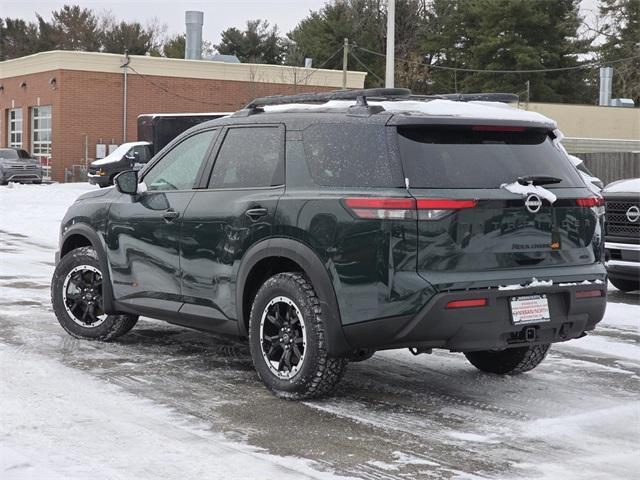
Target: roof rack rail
x: 371, y: 93
x: 470, y: 97
x: 362, y: 107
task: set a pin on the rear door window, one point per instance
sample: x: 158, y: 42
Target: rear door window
x: 344, y: 155
x: 460, y: 157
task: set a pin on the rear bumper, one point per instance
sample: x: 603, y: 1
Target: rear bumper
x: 484, y: 328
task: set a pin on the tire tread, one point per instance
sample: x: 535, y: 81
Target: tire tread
x: 512, y: 361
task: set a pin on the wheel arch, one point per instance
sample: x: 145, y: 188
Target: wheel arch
x: 278, y: 255
x: 82, y: 235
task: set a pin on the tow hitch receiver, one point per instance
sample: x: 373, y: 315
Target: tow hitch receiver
x: 530, y: 334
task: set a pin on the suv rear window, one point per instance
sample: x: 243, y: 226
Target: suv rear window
x: 460, y: 157
x: 344, y: 155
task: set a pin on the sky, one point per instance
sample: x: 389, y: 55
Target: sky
x: 218, y: 14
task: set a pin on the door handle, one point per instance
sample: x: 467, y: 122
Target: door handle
x: 170, y: 215
x: 256, y: 213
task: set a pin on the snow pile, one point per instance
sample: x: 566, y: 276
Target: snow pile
x: 547, y: 283
x: 532, y: 284
x: 526, y: 190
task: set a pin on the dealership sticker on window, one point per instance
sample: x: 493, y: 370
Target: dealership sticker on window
x: 530, y: 309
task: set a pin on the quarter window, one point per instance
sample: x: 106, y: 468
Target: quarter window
x: 343, y: 155
x: 41, y: 133
x: 178, y: 169
x: 250, y: 157
x: 14, y: 128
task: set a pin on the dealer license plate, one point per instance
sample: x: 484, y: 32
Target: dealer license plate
x: 530, y: 309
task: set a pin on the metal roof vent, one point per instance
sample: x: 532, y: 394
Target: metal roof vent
x: 193, y: 43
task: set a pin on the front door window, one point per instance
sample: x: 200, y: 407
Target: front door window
x: 178, y: 169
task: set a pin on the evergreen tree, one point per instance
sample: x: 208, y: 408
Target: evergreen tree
x: 258, y: 43
x: 524, y: 35
x: 132, y: 37
x: 175, y: 47
x: 75, y: 28
x: 621, y: 30
x: 17, y: 38
x: 322, y: 34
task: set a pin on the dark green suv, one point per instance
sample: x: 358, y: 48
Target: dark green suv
x: 324, y: 227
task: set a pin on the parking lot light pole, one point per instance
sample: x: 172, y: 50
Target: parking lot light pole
x: 345, y: 60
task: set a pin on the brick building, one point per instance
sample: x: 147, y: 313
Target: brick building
x: 59, y: 105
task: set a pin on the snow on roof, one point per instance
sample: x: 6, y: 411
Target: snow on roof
x: 484, y: 110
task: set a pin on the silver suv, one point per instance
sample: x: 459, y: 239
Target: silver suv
x: 16, y: 165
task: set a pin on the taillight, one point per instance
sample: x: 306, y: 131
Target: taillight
x: 405, y: 208
x: 476, y: 302
x: 382, y: 208
x: 437, y: 208
x: 588, y: 293
x: 590, y: 202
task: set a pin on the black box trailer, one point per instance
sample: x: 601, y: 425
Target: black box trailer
x: 160, y: 128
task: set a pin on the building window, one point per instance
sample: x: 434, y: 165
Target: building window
x: 14, y: 128
x: 41, y: 133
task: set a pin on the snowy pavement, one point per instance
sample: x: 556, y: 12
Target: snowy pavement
x: 165, y: 402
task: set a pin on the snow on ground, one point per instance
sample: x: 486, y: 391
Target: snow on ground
x: 167, y: 402
x: 111, y: 434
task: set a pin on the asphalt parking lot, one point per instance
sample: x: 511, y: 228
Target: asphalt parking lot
x: 167, y: 402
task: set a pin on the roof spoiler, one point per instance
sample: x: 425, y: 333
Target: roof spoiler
x: 470, y: 97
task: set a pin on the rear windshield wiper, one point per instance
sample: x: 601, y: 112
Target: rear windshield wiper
x: 538, y: 180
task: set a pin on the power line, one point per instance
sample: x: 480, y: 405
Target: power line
x: 365, y: 67
x: 474, y: 70
x: 177, y: 95
x: 318, y: 68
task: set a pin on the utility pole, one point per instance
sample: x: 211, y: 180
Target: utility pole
x: 528, y: 83
x: 345, y: 59
x: 391, y: 43
x: 125, y: 64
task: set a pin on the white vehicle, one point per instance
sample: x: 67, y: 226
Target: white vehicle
x: 622, y: 233
x: 128, y: 156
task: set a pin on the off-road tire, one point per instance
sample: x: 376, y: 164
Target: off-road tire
x: 113, y: 327
x: 319, y: 373
x: 625, y: 285
x: 511, y: 361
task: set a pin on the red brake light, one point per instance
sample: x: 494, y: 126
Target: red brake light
x: 392, y: 203
x: 476, y: 302
x: 590, y: 202
x: 445, y: 204
x: 497, y: 128
x: 382, y: 208
x: 588, y: 293
x: 405, y: 208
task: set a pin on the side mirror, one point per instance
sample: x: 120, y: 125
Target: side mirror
x: 127, y: 182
